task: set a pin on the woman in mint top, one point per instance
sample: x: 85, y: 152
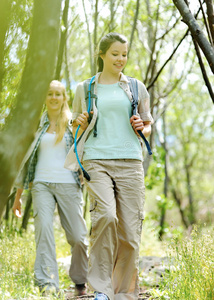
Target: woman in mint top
x: 113, y: 159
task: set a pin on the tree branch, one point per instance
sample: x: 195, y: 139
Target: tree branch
x: 196, y: 31
x: 169, y: 58
x: 210, y: 13
x: 203, y: 71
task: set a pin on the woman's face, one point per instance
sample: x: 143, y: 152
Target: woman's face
x: 115, y: 58
x: 55, y: 98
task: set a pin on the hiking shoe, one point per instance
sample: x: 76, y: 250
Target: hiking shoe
x: 80, y: 290
x: 100, y: 296
x: 47, y: 290
x: 51, y: 292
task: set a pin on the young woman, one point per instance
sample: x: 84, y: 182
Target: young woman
x: 113, y: 159
x: 53, y: 185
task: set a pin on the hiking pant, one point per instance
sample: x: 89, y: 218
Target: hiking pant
x: 116, y: 192
x: 68, y: 198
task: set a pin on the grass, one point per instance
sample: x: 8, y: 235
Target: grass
x: 17, y: 255
x: 16, y: 264
x: 150, y: 244
x: 192, y: 274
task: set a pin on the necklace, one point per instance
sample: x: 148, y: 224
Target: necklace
x: 52, y: 127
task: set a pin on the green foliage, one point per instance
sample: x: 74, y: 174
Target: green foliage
x: 192, y: 274
x: 155, y: 174
x: 150, y: 244
x: 16, y: 265
x: 190, y: 137
x: 17, y: 256
x: 14, y: 53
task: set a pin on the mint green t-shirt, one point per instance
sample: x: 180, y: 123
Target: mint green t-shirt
x: 115, y: 138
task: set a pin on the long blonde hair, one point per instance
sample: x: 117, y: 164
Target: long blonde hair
x: 65, y: 113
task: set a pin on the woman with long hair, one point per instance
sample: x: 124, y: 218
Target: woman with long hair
x: 111, y: 153
x: 52, y: 185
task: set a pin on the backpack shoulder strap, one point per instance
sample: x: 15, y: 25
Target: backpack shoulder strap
x: 86, y: 87
x: 134, y: 91
x: 133, y: 85
x: 86, y: 91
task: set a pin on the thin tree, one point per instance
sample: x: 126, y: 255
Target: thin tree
x: 89, y: 39
x: 112, y: 13
x: 95, y: 35
x: 134, y: 23
x: 63, y: 38
x: 166, y: 178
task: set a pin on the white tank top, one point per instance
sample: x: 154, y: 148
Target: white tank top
x: 50, y: 161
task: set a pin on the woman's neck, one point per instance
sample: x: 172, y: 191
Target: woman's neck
x: 53, y: 116
x: 109, y: 78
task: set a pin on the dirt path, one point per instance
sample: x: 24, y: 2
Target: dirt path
x: 143, y: 295
x: 151, y: 269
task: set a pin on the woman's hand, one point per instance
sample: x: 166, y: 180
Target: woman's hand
x: 138, y: 124
x: 17, y: 205
x: 82, y: 120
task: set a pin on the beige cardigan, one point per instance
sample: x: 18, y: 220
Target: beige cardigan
x: 79, y: 106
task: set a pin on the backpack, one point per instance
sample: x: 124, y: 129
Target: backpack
x: 133, y: 85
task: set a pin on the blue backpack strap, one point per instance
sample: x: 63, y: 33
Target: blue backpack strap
x: 133, y: 85
x: 134, y: 91
x: 86, y: 91
x: 86, y: 175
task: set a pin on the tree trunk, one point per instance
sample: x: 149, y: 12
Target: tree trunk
x: 134, y: 24
x: 89, y: 39
x: 189, y: 190
x: 203, y: 70
x: 5, y: 10
x: 39, y: 69
x: 8, y: 207
x: 210, y: 14
x: 111, y: 25
x: 67, y: 77
x: 196, y: 31
x: 178, y: 201
x: 63, y: 37
x: 95, y: 35
x: 26, y: 215
x: 165, y: 190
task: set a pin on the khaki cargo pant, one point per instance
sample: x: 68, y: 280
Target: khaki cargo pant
x: 68, y: 199
x: 116, y: 191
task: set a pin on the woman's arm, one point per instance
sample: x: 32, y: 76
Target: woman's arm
x: 79, y: 110
x: 17, y: 205
x: 82, y: 120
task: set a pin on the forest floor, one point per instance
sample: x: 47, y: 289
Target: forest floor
x: 151, y: 272
x: 143, y: 294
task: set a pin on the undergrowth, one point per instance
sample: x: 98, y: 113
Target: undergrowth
x: 17, y: 256
x: 192, y: 275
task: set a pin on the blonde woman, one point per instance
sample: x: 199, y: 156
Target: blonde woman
x: 53, y: 185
